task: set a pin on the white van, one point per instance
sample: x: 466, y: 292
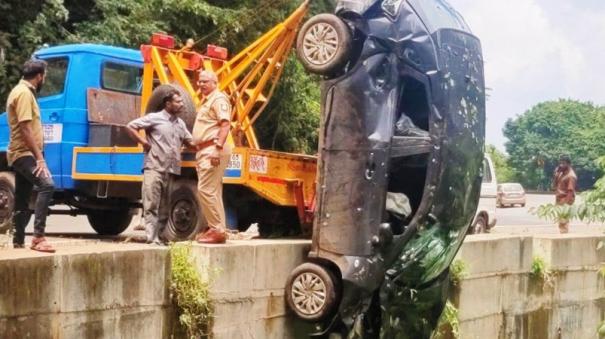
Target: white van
x: 485, y: 218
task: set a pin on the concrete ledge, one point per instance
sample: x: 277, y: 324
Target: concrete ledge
x: 109, y: 290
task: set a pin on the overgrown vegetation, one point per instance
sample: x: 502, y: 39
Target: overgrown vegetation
x: 540, y: 271
x: 504, y: 172
x: 601, y: 330
x: 190, y: 293
x: 449, y: 325
x: 458, y: 272
x: 548, y: 129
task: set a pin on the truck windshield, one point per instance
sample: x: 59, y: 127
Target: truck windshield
x: 55, y: 77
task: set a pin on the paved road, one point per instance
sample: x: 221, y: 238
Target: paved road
x: 516, y: 220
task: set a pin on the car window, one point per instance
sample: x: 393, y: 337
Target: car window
x: 121, y: 77
x: 487, y: 174
x: 55, y: 77
x: 513, y: 188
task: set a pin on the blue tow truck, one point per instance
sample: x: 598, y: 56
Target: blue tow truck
x: 85, y: 85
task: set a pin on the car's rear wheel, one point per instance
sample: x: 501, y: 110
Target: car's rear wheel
x: 324, y: 44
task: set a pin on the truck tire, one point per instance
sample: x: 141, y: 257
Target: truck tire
x: 324, y: 44
x: 185, y: 218
x: 109, y: 222
x: 188, y: 111
x: 7, y: 200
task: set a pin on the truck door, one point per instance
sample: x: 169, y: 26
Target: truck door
x: 51, y: 99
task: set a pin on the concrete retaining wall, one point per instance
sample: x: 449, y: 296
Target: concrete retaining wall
x: 500, y: 299
x: 120, y: 290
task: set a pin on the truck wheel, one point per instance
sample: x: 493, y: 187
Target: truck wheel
x: 109, y: 222
x: 311, y: 292
x: 7, y: 200
x: 188, y: 111
x: 185, y: 218
x: 324, y: 44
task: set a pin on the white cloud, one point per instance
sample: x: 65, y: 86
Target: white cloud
x: 537, y: 50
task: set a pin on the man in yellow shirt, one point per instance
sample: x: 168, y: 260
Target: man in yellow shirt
x: 24, y: 154
x: 211, y: 127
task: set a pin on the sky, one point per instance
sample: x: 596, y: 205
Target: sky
x: 537, y: 50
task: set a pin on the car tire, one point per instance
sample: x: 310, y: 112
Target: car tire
x: 312, y: 292
x: 7, y: 200
x: 185, y: 218
x: 188, y: 111
x: 480, y: 225
x: 324, y: 44
x: 109, y: 222
x: 522, y: 205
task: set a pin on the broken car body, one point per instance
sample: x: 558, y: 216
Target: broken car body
x: 412, y: 60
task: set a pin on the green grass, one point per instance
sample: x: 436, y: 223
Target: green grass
x: 458, y: 272
x: 449, y: 325
x: 541, y: 271
x: 190, y: 293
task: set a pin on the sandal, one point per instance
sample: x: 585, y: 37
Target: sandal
x: 41, y: 245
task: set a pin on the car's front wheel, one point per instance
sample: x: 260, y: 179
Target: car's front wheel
x: 311, y: 292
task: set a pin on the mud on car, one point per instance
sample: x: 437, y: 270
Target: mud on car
x: 400, y: 164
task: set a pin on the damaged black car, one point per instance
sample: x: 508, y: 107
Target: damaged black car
x: 399, y: 169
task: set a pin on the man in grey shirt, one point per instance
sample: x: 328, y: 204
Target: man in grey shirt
x: 165, y: 135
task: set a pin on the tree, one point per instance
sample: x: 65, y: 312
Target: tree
x: 540, y: 135
x: 504, y: 173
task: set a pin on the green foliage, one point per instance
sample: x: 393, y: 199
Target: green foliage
x: 292, y: 125
x: 504, y: 172
x: 541, y: 134
x: 189, y: 292
x: 449, y: 324
x: 458, y: 272
x: 541, y: 271
x: 601, y: 329
x: 601, y: 272
x: 292, y: 117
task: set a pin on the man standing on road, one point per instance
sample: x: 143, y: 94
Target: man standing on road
x: 564, y: 183
x: 211, y: 127
x: 165, y: 133
x: 25, y: 156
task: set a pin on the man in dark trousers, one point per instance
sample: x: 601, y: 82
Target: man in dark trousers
x: 564, y: 182
x: 25, y: 156
x: 165, y: 133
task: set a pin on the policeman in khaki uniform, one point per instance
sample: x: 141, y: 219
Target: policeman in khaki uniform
x: 211, y: 128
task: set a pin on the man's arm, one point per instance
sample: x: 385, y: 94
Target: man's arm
x: 133, y: 128
x: 41, y: 169
x: 224, y: 126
